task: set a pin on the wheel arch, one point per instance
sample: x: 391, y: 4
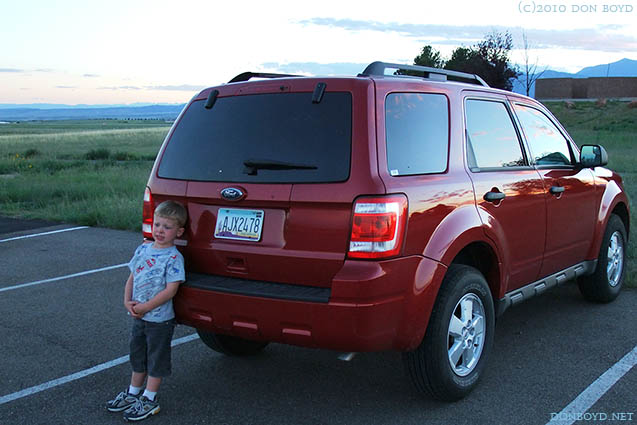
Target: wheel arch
x: 481, y: 256
x: 614, y: 201
x: 461, y: 238
x: 621, y: 210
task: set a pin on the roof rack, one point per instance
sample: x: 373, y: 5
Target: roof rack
x: 245, y: 76
x: 379, y: 68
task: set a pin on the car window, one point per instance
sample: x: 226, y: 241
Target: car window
x: 492, y: 141
x: 417, y: 133
x: 263, y: 138
x: 547, y: 144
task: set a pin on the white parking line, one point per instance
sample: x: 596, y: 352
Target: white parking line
x: 54, y: 279
x: 578, y: 407
x: 81, y: 374
x: 42, y: 234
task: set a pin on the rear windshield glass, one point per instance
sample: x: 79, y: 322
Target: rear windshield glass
x: 264, y: 138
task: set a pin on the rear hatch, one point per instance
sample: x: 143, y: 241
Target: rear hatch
x: 269, y: 177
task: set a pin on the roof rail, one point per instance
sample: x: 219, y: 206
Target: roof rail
x: 245, y: 76
x: 379, y: 68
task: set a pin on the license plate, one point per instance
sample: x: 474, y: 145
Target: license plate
x: 241, y: 225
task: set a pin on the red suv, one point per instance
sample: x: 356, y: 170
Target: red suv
x: 382, y: 212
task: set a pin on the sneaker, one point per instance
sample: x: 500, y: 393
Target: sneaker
x: 142, y: 409
x: 123, y: 401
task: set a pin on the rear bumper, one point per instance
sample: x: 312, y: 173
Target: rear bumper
x: 371, y: 306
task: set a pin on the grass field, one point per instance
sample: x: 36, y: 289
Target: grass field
x: 85, y: 172
x: 94, y: 172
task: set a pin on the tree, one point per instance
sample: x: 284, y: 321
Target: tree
x: 489, y: 59
x: 494, y: 52
x: 429, y: 57
x: 464, y: 59
x: 530, y: 74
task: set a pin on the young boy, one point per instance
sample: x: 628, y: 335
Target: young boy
x: 157, y: 269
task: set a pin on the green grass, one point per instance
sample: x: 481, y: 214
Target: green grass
x: 47, y: 127
x: 85, y: 172
x: 94, y: 172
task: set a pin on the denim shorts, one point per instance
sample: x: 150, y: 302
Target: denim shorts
x: 150, y: 347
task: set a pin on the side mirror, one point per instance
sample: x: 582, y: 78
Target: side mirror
x: 592, y: 156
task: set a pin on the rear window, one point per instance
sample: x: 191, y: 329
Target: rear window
x: 417, y: 132
x: 264, y: 138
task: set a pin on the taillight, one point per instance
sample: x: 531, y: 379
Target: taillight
x: 147, y: 216
x: 378, y: 226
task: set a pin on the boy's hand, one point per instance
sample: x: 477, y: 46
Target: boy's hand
x: 130, y: 306
x: 140, y: 309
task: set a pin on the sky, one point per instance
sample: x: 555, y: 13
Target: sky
x: 136, y: 51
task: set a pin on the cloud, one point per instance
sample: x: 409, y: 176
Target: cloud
x: 119, y: 88
x: 183, y: 87
x: 446, y: 34
x: 65, y: 87
x: 314, y: 68
x: 606, y: 38
x: 24, y: 71
x: 90, y: 75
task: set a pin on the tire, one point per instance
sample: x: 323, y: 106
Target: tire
x: 604, y: 284
x: 231, y: 345
x: 439, y: 367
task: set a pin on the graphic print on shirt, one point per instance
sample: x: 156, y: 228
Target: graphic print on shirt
x: 153, y: 269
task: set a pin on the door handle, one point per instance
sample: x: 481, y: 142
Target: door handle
x: 556, y: 190
x: 494, y: 196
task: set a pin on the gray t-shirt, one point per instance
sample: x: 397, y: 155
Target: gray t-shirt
x: 152, y: 268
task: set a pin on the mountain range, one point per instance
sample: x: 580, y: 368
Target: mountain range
x: 621, y: 68
x: 40, y: 112
x: 45, y: 111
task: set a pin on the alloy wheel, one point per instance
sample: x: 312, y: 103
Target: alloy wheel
x: 615, y: 257
x: 466, y: 334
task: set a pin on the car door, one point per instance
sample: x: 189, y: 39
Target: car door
x: 509, y: 191
x: 570, y: 189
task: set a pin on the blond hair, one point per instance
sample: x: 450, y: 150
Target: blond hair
x: 172, y: 210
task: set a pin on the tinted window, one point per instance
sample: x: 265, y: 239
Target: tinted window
x: 417, y: 132
x: 492, y: 141
x: 265, y: 138
x: 547, y: 145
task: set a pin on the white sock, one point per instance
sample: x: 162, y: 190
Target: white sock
x: 150, y: 394
x: 134, y: 390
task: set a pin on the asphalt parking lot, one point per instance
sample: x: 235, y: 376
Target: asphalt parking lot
x: 64, y: 342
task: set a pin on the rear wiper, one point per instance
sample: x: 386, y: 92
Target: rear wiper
x: 252, y: 166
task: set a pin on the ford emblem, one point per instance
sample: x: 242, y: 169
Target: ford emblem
x: 232, y: 194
